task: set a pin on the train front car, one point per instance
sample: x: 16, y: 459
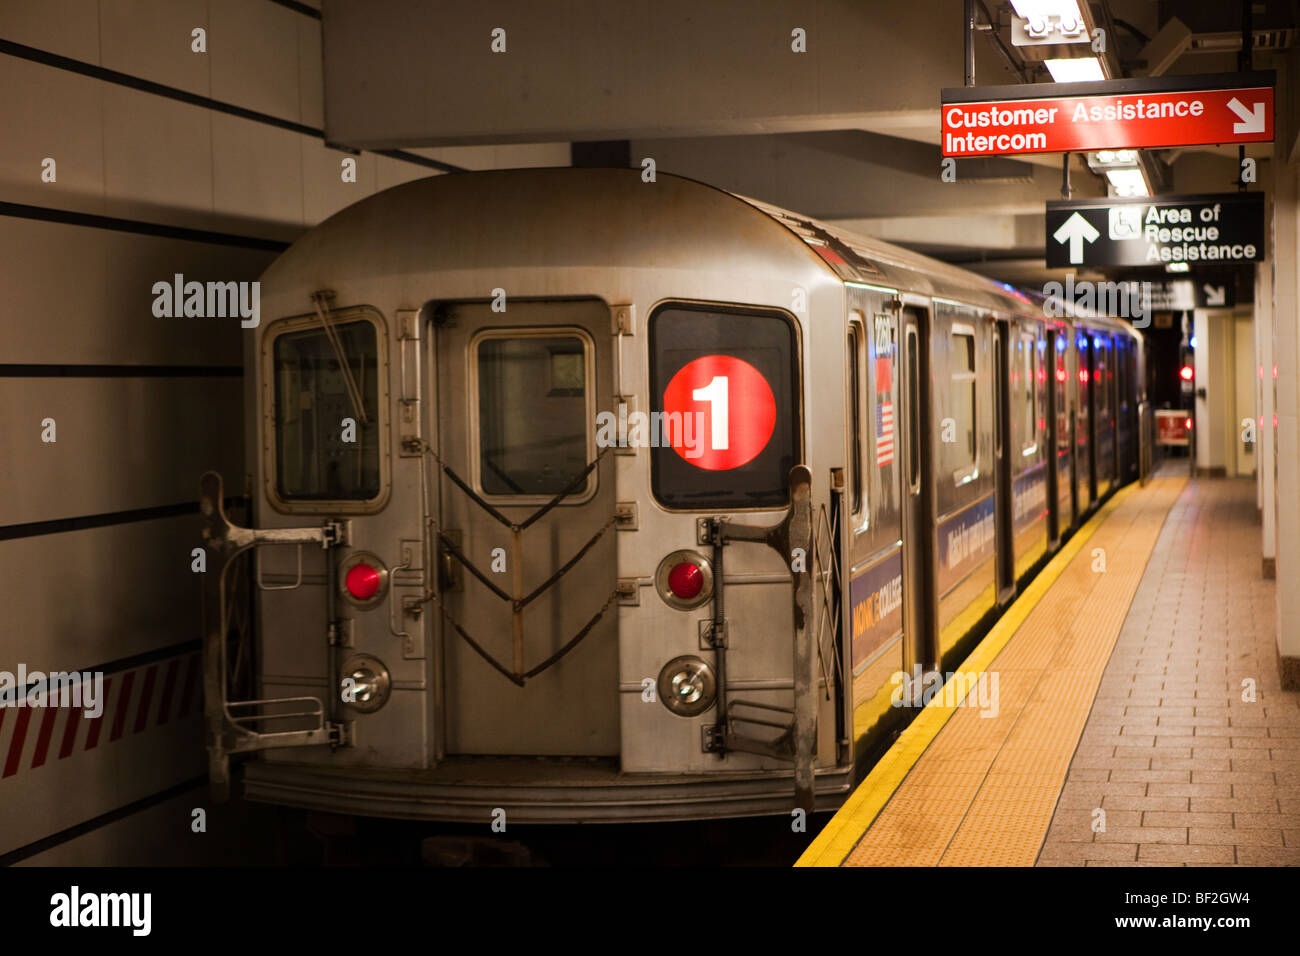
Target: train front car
x: 540, y: 524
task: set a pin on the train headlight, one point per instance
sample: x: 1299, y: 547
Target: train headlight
x: 684, y: 579
x: 364, y: 683
x: 363, y: 579
x: 687, y: 686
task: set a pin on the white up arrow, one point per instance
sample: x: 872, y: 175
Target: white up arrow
x: 1076, y: 231
x: 1252, y: 121
x: 1215, y: 294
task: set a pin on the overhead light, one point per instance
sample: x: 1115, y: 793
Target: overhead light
x: 1081, y: 69
x: 1061, y: 9
x: 1127, y: 182
x: 1178, y: 267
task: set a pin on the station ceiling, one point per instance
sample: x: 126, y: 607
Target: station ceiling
x: 847, y: 131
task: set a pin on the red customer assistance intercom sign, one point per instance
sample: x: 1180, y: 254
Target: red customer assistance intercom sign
x: 1118, y: 115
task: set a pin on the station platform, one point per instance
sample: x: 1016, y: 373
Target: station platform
x: 1137, y: 717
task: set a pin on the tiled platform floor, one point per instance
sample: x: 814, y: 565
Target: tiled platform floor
x: 1187, y: 771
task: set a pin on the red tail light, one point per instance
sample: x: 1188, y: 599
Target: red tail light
x: 1188, y: 424
x: 362, y: 581
x: 1186, y: 373
x: 686, y: 580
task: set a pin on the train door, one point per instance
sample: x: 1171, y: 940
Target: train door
x: 919, y: 623
x: 1002, y: 460
x: 517, y: 396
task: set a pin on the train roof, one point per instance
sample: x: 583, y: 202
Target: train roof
x: 565, y: 216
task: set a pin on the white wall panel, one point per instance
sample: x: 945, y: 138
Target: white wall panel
x: 123, y: 443
x: 257, y: 169
x: 152, y: 39
x: 59, y: 115
x: 254, y: 49
x: 157, y: 151
x: 66, y: 27
x: 78, y: 295
x: 102, y: 594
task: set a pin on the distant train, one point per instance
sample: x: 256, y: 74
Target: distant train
x: 472, y: 594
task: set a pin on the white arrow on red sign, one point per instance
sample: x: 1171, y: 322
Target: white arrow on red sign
x: 1076, y: 231
x: 1252, y: 120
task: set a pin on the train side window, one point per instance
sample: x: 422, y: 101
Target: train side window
x: 1028, y: 400
x: 960, y: 454
x: 327, y: 417
x: 533, y: 396
x: 855, y: 416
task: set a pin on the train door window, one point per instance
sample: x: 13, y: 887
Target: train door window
x: 1027, y: 360
x: 1101, y: 380
x: 327, y: 418
x: 1062, y: 399
x: 855, y: 415
x: 913, y: 412
x: 533, y: 404
x: 723, y: 386
x: 961, y: 454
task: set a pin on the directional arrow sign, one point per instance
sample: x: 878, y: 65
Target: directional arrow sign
x: 1201, y: 231
x: 1252, y: 120
x: 1145, y: 112
x: 1076, y: 231
x: 1215, y: 295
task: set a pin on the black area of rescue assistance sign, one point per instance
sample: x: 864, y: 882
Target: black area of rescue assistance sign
x: 1208, y: 230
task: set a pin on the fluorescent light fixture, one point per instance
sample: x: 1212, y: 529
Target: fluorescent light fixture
x: 1127, y: 182
x: 1077, y: 70
x: 1061, y: 9
x: 1178, y: 267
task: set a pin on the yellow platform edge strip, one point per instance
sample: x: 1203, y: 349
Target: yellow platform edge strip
x: 842, y: 833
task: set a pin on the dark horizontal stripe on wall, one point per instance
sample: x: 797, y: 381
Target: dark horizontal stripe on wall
x: 33, y: 529
x: 68, y: 217
x: 121, y: 371
x: 103, y: 820
x: 148, y: 657
x: 194, y: 99
x: 302, y: 8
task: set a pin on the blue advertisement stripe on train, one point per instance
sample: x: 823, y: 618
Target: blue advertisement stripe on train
x: 876, y: 602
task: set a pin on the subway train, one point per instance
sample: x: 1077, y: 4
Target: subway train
x: 579, y: 497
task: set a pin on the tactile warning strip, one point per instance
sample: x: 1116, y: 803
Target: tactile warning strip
x: 976, y: 785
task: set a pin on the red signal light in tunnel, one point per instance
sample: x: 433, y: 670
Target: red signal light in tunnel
x: 362, y: 581
x: 1186, y: 373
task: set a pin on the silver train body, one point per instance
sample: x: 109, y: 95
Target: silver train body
x: 491, y: 572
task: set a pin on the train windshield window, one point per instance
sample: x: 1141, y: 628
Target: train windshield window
x: 532, y: 413
x: 960, y: 454
x: 324, y: 449
x: 723, y: 428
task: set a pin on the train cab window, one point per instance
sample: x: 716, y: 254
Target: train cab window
x: 959, y: 455
x: 1027, y: 362
x: 723, y: 406
x: 533, y: 396
x: 855, y: 417
x: 327, y: 414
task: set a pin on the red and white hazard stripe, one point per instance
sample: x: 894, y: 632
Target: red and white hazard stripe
x: 134, y: 701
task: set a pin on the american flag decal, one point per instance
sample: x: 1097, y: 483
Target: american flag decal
x: 884, y: 432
